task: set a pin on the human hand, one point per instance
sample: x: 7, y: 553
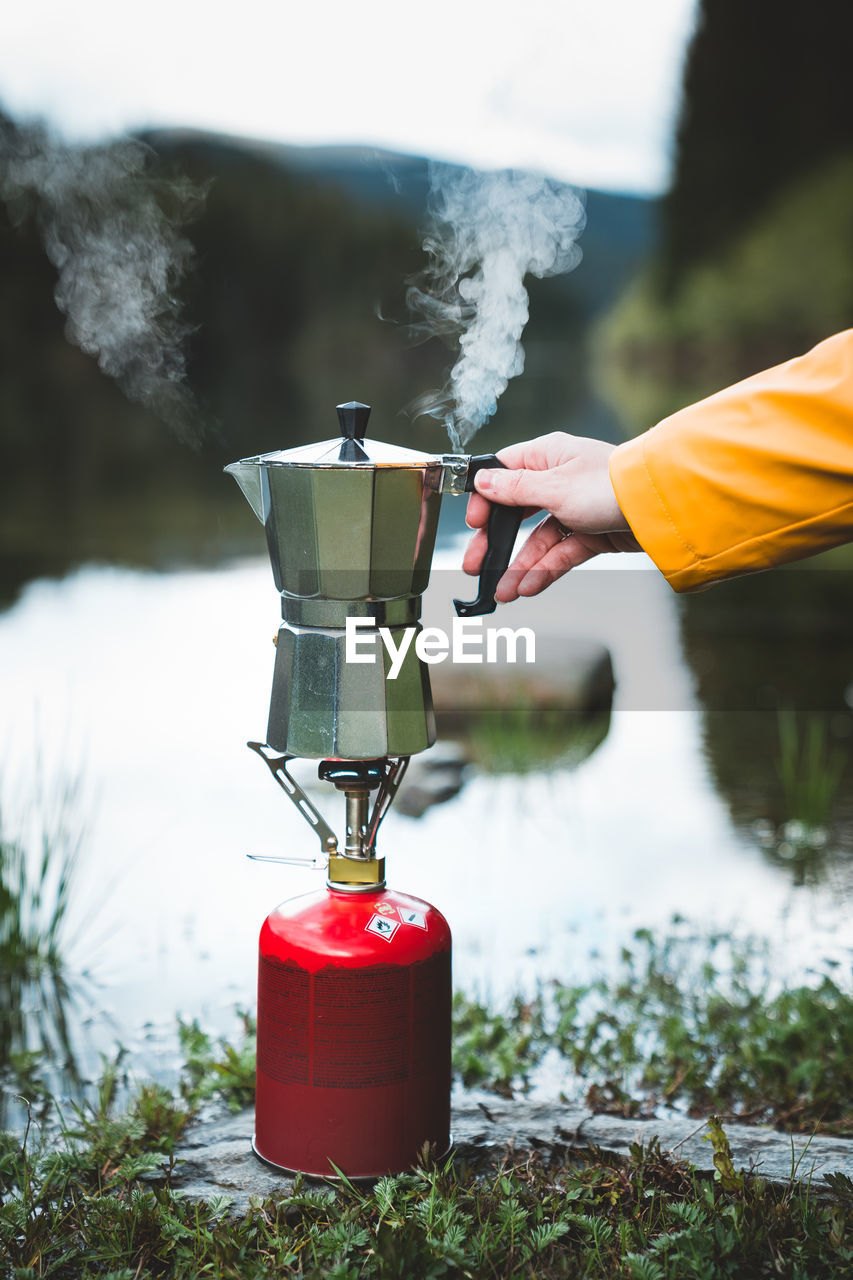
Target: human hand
x: 566, y: 476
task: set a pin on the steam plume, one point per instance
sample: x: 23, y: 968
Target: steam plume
x: 112, y: 230
x: 486, y: 232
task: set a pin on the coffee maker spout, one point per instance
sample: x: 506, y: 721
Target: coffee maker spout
x: 249, y: 477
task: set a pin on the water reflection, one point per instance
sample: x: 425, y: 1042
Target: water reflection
x: 772, y: 655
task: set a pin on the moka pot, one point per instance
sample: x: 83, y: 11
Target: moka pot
x: 350, y: 526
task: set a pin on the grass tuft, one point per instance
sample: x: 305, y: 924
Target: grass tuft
x: 217, y: 1069
x: 37, y: 866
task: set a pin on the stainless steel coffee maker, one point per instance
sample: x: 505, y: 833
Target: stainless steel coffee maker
x: 350, y: 526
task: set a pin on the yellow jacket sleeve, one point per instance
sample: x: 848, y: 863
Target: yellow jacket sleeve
x: 757, y: 475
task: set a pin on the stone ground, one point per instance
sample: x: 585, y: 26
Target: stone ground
x: 216, y: 1158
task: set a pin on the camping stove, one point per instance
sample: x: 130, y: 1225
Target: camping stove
x: 354, y: 981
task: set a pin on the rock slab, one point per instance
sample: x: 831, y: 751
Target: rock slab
x: 215, y: 1158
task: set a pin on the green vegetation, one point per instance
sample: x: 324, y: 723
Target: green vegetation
x: 698, y: 1022
x: 82, y: 1212
x: 753, y: 262
x: 100, y: 1206
x: 684, y: 1018
x: 779, y: 287
x: 694, y: 1021
x: 217, y: 1068
x: 36, y: 869
x: 764, y: 103
x: 36, y: 874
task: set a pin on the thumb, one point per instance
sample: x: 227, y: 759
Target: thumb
x: 514, y: 488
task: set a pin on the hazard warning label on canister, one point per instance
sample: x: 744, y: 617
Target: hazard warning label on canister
x: 382, y: 927
x: 410, y: 916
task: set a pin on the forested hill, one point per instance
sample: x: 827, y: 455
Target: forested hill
x: 296, y: 300
x: 618, y: 236
x: 766, y: 102
x: 755, y: 258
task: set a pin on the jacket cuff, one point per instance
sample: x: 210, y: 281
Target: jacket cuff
x: 651, y: 521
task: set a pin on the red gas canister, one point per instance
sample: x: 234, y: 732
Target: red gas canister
x: 353, y: 1068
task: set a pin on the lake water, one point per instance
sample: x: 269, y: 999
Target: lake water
x: 147, y: 685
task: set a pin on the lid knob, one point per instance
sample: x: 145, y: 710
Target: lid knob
x: 352, y: 419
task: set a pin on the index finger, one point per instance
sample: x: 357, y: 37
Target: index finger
x: 479, y: 509
x: 477, y: 512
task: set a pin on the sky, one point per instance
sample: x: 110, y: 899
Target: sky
x: 583, y: 90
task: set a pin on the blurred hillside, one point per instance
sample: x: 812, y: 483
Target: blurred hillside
x: 296, y: 299
x: 756, y: 234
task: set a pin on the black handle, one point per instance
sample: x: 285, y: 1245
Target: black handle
x: 501, y: 531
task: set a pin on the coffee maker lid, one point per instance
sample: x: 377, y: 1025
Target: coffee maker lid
x: 351, y: 448
x: 331, y: 453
